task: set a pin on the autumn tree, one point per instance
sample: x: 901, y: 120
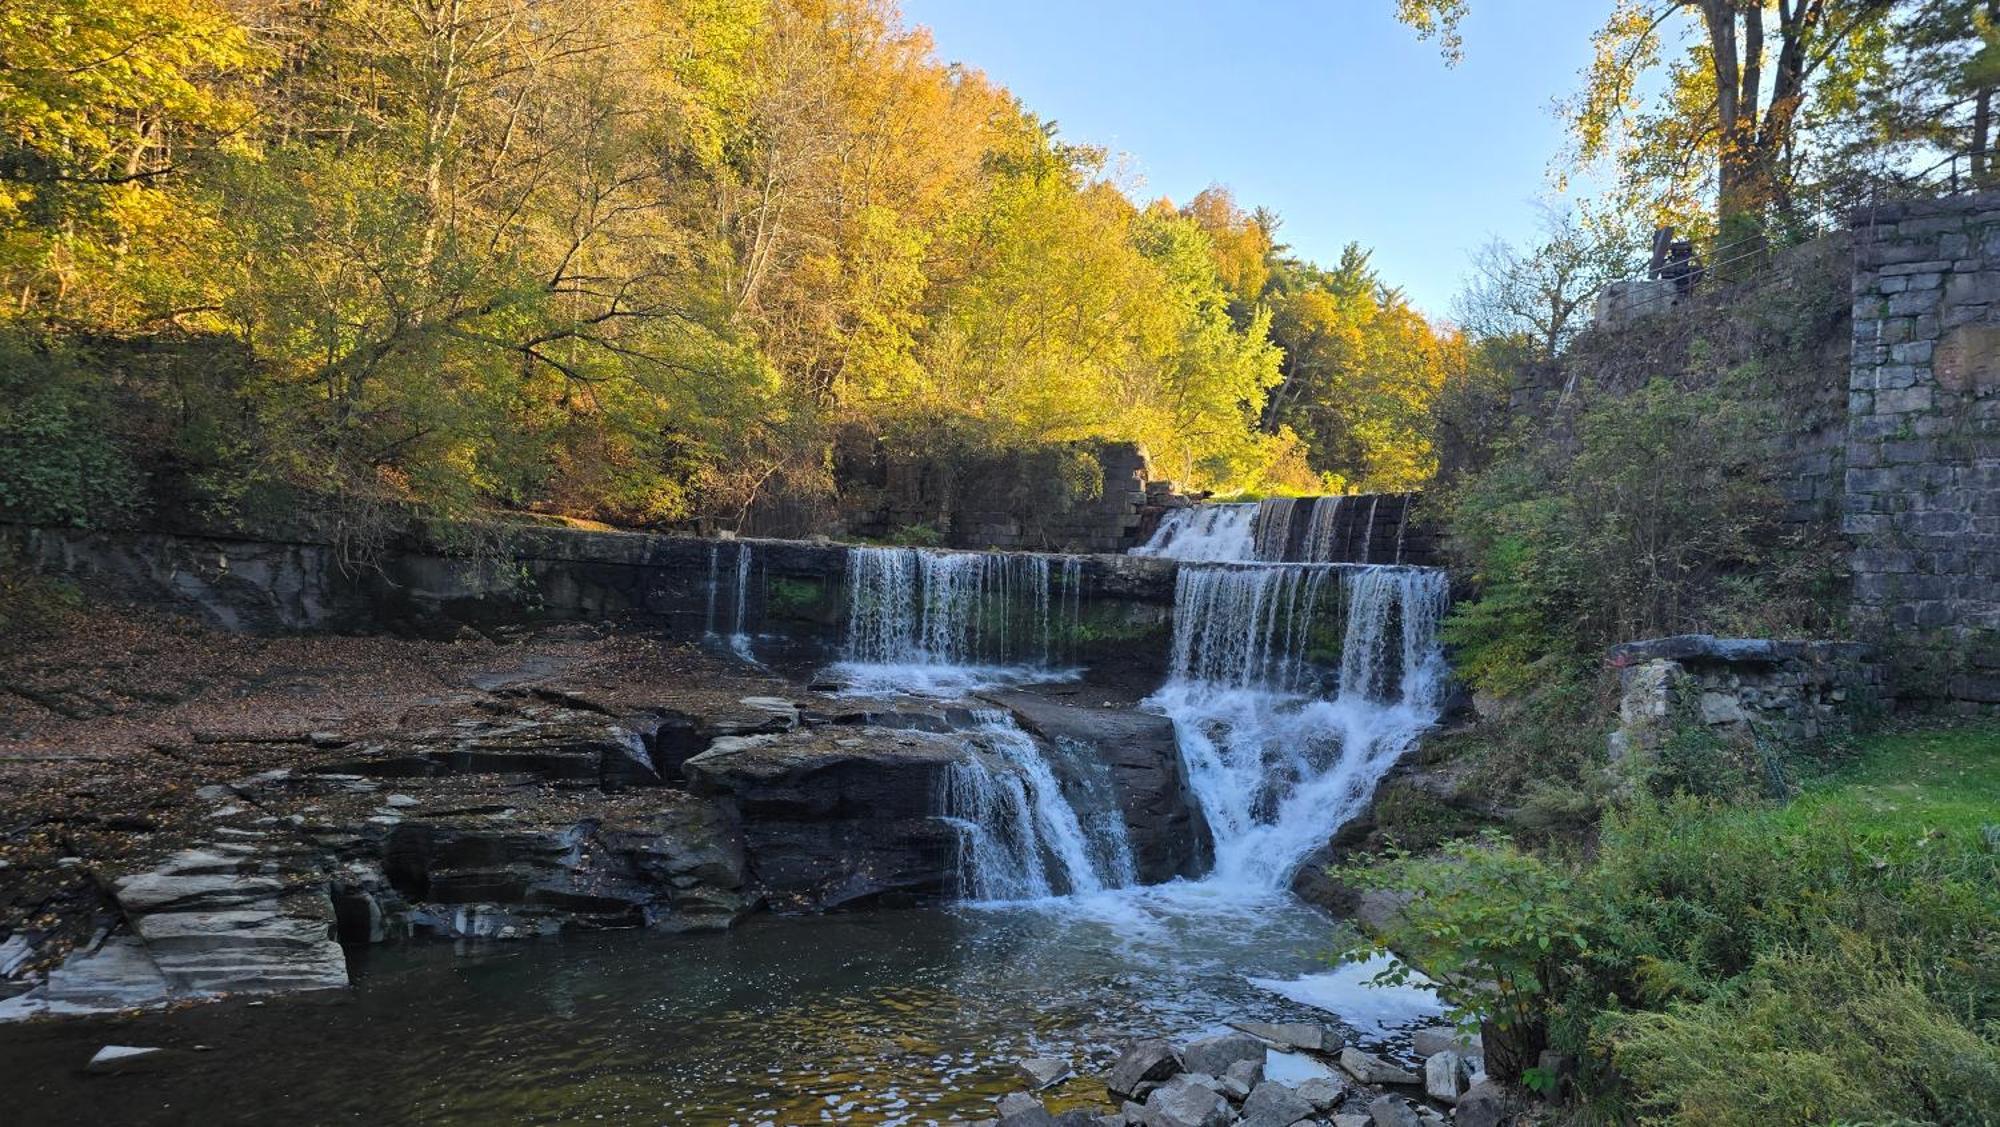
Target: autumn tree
x: 1742, y: 79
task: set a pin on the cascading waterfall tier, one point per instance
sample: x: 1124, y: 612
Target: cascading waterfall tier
x: 913, y: 607
x: 1021, y: 836
x: 1294, y: 687
x: 1361, y: 528
x: 1209, y: 533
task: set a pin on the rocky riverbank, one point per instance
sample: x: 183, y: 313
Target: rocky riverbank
x: 1294, y: 1074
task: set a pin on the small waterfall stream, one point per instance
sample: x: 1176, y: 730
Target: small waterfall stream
x: 1021, y: 836
x: 738, y: 639
x: 1329, y: 529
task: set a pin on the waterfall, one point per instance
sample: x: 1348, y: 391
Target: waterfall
x: 738, y: 639
x: 1272, y: 532
x: 1337, y: 529
x: 1247, y: 626
x: 1278, y: 761
x: 1020, y: 836
x: 949, y: 622
x: 1323, y: 531
x: 1211, y: 533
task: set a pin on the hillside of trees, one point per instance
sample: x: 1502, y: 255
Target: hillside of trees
x: 632, y: 261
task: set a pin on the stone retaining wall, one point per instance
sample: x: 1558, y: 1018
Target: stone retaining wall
x: 1922, y: 486
x: 1750, y: 689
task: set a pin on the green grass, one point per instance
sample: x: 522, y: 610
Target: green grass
x: 1914, y: 781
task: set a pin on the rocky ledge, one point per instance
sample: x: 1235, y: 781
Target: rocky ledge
x: 525, y: 803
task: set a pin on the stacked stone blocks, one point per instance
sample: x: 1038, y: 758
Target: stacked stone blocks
x: 1921, y: 497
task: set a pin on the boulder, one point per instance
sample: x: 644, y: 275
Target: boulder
x: 1351, y: 1121
x: 1275, y: 1105
x: 1019, y: 1109
x: 1243, y: 1078
x: 1324, y: 1093
x: 1446, y: 1076
x: 1163, y: 820
x: 1180, y: 1103
x: 1043, y: 1072
x: 1394, y: 1111
x: 1214, y: 1055
x: 1144, y: 1063
x: 1371, y: 1069
x: 1310, y: 1036
x: 1483, y: 1105
x: 1438, y: 1038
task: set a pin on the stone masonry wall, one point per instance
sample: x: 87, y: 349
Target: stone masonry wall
x: 1751, y: 689
x: 1922, y: 483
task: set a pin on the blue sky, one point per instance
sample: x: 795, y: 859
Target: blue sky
x: 1330, y: 113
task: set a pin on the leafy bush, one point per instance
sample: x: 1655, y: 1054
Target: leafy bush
x: 1642, y: 517
x: 1699, y: 930
x: 60, y: 462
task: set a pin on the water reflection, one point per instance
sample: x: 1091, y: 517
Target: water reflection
x: 877, y: 1018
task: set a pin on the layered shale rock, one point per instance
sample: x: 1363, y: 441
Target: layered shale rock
x: 837, y: 815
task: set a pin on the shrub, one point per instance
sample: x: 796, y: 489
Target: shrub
x: 1704, y: 948
x: 1810, y: 1037
x: 60, y: 462
x: 1642, y: 516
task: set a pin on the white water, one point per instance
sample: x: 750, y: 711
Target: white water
x: 738, y: 638
x: 949, y: 623
x: 1292, y: 688
x: 1211, y: 533
x: 1277, y: 763
x: 1339, y: 529
x: 1020, y: 837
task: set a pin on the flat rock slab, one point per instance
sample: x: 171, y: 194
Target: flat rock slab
x: 1309, y: 1036
x: 1371, y: 1069
x: 1181, y: 1103
x: 1214, y: 1055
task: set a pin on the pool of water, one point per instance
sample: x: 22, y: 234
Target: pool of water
x: 885, y: 1017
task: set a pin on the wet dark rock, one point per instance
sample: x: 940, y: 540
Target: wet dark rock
x: 1181, y: 1103
x: 1163, y: 819
x: 1145, y: 1062
x: 1214, y: 1055
x: 1275, y: 1105
x: 836, y: 816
